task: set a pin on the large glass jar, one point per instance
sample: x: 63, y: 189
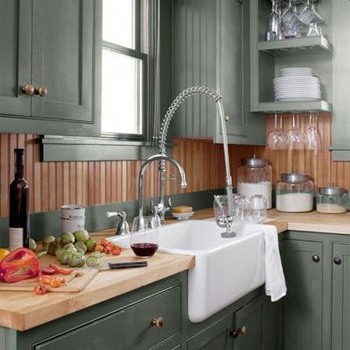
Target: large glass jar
x: 294, y: 193
x: 331, y: 200
x: 255, y: 177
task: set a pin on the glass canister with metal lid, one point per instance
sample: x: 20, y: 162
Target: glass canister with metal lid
x: 331, y: 200
x: 255, y: 177
x: 294, y: 193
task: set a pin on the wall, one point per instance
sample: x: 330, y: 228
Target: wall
x: 91, y: 183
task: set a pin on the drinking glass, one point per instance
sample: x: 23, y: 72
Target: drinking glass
x: 276, y: 138
x: 296, y: 138
x: 314, y: 30
x: 312, y: 137
x: 274, y: 31
x: 242, y: 209
x: 144, y: 238
x: 291, y: 22
x: 309, y: 14
x: 258, y: 205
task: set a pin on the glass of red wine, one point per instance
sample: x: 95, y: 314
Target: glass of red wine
x: 144, y: 236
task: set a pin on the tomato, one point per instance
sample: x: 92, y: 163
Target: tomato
x: 57, y: 281
x: 62, y: 270
x: 116, y: 250
x: 40, y: 289
x: 45, y: 279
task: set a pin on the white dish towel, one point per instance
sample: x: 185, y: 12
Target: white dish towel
x: 275, y: 284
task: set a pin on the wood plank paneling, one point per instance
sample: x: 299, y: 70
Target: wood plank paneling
x: 92, y: 183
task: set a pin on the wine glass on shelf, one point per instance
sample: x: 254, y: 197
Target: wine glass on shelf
x: 291, y: 22
x: 274, y: 31
x: 296, y: 138
x: 144, y: 238
x: 309, y: 14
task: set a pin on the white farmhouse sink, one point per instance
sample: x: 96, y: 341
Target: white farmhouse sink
x: 225, y: 269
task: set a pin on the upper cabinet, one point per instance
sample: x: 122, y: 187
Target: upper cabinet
x: 210, y: 47
x: 49, y: 84
x: 268, y: 57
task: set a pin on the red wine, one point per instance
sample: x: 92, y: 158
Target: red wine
x: 144, y: 249
x: 19, y: 227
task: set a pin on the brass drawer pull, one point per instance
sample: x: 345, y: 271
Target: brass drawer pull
x: 28, y: 89
x: 239, y: 331
x: 41, y: 91
x: 158, y: 322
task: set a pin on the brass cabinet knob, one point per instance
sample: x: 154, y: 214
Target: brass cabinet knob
x: 28, y: 89
x: 158, y: 322
x: 239, y: 331
x: 41, y: 91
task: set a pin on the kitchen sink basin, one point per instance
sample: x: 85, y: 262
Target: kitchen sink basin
x: 225, y: 269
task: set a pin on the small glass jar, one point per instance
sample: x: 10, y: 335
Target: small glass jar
x: 255, y: 177
x: 331, y: 200
x: 294, y: 193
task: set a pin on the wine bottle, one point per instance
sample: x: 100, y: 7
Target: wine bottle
x: 19, y: 225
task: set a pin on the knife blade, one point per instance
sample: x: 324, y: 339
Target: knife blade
x: 123, y: 265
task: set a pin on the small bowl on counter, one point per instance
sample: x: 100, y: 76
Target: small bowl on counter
x: 182, y: 212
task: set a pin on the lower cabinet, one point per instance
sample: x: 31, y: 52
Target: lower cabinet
x: 341, y: 296
x: 316, y: 312
x: 241, y: 329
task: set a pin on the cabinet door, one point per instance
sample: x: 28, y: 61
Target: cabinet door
x: 303, y: 303
x: 211, y: 48
x: 233, y: 74
x: 63, y: 44
x: 341, y: 297
x: 15, y: 56
x: 216, y: 337
x: 249, y: 323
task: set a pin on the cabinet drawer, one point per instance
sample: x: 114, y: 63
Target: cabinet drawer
x: 128, y: 328
x: 164, y: 306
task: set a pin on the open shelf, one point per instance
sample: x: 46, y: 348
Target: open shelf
x: 301, y: 106
x: 277, y: 48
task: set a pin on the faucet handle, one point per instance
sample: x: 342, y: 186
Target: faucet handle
x: 123, y: 226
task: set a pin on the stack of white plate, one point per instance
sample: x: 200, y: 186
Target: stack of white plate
x: 297, y: 84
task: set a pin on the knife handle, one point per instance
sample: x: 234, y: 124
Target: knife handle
x: 122, y: 265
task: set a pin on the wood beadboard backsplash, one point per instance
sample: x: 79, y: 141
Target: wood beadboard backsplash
x: 91, y: 183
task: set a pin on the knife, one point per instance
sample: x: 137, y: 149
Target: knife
x: 123, y: 265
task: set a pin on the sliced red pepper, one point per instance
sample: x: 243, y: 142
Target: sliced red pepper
x: 47, y: 270
x: 20, y: 264
x: 40, y: 289
x: 62, y: 270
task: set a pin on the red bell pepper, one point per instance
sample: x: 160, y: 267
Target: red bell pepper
x: 20, y: 264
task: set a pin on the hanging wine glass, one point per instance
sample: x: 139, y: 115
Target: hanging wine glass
x: 275, y: 138
x: 296, y: 138
x: 312, y: 137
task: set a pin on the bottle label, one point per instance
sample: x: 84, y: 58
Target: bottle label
x: 15, y: 237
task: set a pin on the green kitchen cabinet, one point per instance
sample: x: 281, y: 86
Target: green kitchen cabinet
x: 249, y: 327
x: 49, y: 57
x: 341, y: 71
x: 303, y: 267
x: 210, y: 47
x: 341, y: 296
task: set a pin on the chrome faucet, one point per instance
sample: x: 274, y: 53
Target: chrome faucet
x: 161, y: 158
x: 196, y: 90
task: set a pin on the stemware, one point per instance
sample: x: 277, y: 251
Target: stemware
x: 258, y: 205
x: 144, y: 238
x: 312, y: 137
x: 242, y: 209
x: 291, y: 22
x: 274, y: 31
x: 309, y: 14
x: 296, y: 138
x: 276, y: 138
x: 224, y: 214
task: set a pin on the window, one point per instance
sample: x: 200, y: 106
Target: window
x: 124, y: 71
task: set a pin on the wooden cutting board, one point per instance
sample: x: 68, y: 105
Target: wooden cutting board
x: 75, y: 282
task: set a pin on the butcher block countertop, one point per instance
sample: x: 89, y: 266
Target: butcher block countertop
x: 25, y: 310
